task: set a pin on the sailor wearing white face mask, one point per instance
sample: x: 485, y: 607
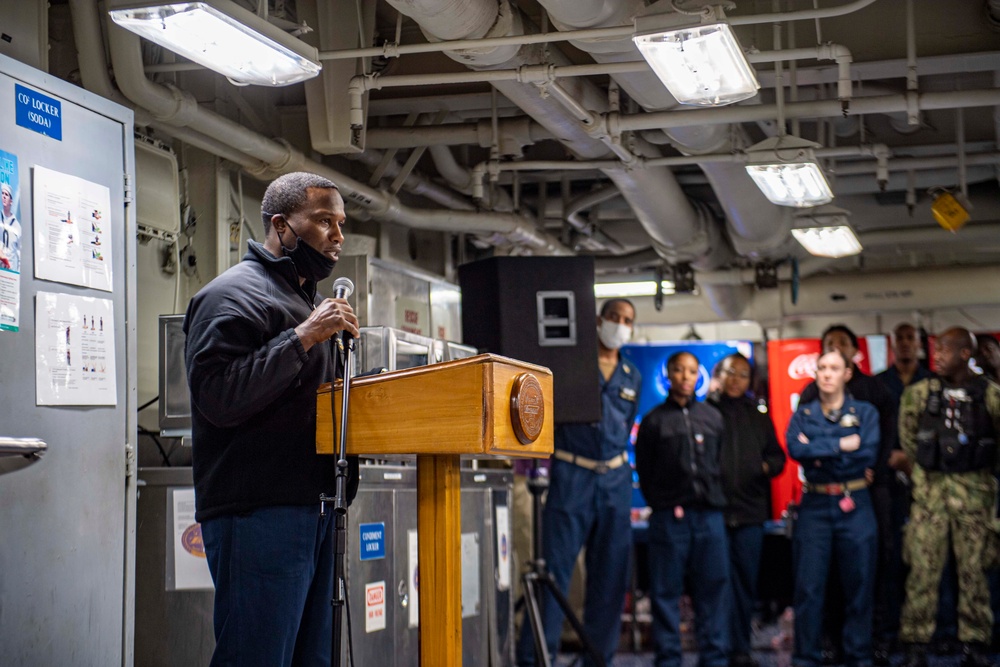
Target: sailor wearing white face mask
x: 590, y: 497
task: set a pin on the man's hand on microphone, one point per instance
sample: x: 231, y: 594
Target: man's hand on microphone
x: 329, y: 317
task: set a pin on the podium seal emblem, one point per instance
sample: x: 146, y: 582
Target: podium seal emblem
x: 527, y: 408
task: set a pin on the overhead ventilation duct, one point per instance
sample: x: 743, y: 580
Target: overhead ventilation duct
x: 686, y: 234
x: 265, y: 157
x: 756, y: 227
x: 337, y: 27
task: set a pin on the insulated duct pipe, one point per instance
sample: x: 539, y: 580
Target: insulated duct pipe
x: 649, y: 192
x: 175, y: 107
x: 756, y: 226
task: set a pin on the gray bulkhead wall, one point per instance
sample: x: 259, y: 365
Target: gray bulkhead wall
x: 67, y: 521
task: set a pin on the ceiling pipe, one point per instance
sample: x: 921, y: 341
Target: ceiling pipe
x: 816, y: 109
x: 631, y: 262
x: 880, y: 152
x: 756, y: 226
x: 415, y: 183
x: 899, y: 180
x: 920, y: 163
x: 927, y: 66
x: 564, y: 108
x: 476, y: 14
x: 172, y: 106
x: 519, y: 132
x: 894, y: 69
x: 575, y: 207
x: 460, y: 178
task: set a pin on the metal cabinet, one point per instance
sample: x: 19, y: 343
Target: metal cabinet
x: 175, y: 627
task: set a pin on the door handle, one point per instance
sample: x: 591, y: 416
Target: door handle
x: 17, y: 453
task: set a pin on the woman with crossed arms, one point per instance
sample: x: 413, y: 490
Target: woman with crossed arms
x: 835, y: 438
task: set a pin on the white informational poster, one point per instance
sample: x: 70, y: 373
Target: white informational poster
x: 503, y: 548
x: 414, y: 581
x: 190, y: 564
x: 375, y: 606
x: 11, y: 240
x: 74, y: 350
x: 72, y: 227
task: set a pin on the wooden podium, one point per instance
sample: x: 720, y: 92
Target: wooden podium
x: 483, y: 406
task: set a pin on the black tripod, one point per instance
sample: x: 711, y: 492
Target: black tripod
x: 345, y: 343
x: 538, y: 578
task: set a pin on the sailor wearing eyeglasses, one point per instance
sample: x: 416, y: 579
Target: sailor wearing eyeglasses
x: 751, y: 456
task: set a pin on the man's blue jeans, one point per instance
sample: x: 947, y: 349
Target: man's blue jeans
x: 273, y: 574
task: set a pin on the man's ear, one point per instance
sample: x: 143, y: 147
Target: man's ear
x: 850, y: 372
x: 278, y: 222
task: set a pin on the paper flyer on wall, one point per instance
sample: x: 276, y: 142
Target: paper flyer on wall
x: 10, y: 243
x: 74, y: 350
x: 190, y: 563
x: 73, y: 238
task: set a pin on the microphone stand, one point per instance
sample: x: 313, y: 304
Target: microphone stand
x: 345, y: 343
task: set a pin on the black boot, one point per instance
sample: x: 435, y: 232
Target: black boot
x: 916, y: 655
x: 975, y: 655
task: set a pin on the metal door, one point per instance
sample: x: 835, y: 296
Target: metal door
x: 67, y: 523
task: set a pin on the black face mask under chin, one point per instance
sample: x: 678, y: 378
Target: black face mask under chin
x: 309, y: 262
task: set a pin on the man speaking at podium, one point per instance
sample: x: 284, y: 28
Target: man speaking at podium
x: 256, y: 351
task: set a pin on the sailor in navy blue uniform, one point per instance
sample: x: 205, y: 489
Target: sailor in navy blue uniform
x: 589, y: 500
x: 836, y: 439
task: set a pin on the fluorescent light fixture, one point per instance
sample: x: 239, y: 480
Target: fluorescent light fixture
x: 702, y: 65
x: 826, y: 232
x: 223, y: 37
x: 786, y: 171
x: 630, y: 289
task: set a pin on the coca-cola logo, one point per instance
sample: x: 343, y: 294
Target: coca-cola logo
x: 803, y: 367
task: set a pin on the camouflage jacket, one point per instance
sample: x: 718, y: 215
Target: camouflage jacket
x: 975, y: 490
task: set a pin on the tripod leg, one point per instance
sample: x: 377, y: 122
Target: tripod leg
x: 530, y: 581
x: 588, y: 646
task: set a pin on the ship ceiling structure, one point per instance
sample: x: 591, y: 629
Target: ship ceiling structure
x: 536, y: 127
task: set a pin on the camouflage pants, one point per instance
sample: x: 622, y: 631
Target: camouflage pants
x: 926, y: 550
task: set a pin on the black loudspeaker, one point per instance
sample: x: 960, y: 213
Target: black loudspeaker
x: 540, y: 310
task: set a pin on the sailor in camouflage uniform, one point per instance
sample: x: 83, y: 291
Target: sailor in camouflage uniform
x: 948, y: 426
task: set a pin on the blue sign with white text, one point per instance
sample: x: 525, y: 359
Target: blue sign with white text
x: 37, y: 112
x: 372, y: 541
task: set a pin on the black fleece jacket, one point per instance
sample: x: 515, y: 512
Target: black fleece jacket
x: 253, y: 391
x: 677, y: 456
x: 748, y: 443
